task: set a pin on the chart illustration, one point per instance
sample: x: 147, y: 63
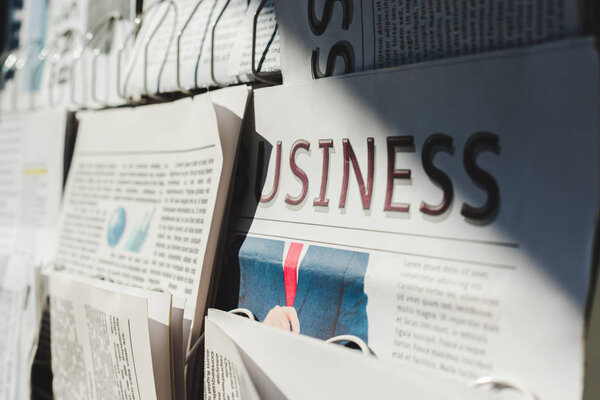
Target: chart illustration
x: 140, y: 233
x: 116, y: 226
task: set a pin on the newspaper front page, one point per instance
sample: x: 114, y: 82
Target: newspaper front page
x: 443, y: 213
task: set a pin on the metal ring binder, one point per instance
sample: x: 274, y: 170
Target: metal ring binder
x: 244, y: 312
x: 164, y: 61
x: 108, y: 22
x: 212, y: 46
x: 47, y: 51
x: 14, y: 62
x: 136, y: 29
x: 95, y: 54
x: 10, y: 64
x: 273, y: 78
x: 179, y: 35
x: 354, y: 339
x: 55, y: 60
x: 503, y: 383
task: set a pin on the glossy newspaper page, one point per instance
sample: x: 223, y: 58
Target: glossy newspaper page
x: 443, y: 213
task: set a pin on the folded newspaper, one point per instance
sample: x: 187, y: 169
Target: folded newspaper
x: 20, y: 298
x: 444, y: 213
x: 174, y: 48
x: 246, y: 360
x: 32, y: 145
x: 143, y: 208
x: 110, y: 341
x: 323, y: 38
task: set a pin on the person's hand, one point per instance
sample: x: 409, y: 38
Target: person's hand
x: 282, y: 318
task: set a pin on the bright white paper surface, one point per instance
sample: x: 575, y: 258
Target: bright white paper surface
x: 225, y: 375
x: 31, y: 174
x: 442, y: 295
x: 140, y: 196
x: 298, y: 367
x: 19, y: 324
x: 100, y: 342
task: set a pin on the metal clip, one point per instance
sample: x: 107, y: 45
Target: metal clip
x: 69, y: 38
x: 15, y: 62
x: 212, y: 46
x: 179, y: 36
x: 498, y: 383
x: 136, y: 29
x: 67, y: 35
x: 107, y: 21
x: 273, y: 78
x: 366, y: 350
x: 244, y: 312
x: 10, y: 65
x: 96, y: 51
x: 164, y: 61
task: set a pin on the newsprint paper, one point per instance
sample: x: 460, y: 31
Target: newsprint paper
x: 101, y: 341
x: 243, y: 360
x: 180, y: 45
x: 142, y: 197
x: 443, y: 213
x: 323, y: 38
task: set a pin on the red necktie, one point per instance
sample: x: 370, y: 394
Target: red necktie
x: 289, y: 272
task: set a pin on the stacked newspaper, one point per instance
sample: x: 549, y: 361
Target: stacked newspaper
x: 31, y: 178
x: 143, y: 208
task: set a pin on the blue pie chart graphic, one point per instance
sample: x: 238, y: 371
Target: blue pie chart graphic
x: 116, y: 226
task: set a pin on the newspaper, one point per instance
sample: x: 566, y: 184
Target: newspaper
x: 323, y: 38
x: 31, y: 36
x: 439, y: 212
x: 165, y: 24
x: 244, y: 360
x: 31, y: 178
x: 145, y: 190
x: 102, y: 345
x: 225, y: 374
x: 31, y: 173
x: 11, y: 177
x: 19, y: 304
x: 79, y: 61
x: 140, y: 196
